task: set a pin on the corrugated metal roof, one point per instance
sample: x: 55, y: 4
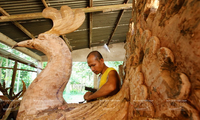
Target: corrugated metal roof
x: 103, y: 22
x: 21, y: 6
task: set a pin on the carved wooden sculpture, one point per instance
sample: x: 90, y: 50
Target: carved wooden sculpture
x: 162, y: 60
x: 45, y: 93
x: 160, y: 81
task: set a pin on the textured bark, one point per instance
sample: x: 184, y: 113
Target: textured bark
x: 161, y: 69
x: 162, y: 56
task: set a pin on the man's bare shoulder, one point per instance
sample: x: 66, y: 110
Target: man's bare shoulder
x: 113, y: 73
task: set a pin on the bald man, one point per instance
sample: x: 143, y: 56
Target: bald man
x: 108, y: 79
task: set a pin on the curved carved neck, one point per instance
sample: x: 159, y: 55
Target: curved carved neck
x: 46, y: 91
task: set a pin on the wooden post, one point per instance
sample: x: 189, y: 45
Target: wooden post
x: 67, y: 42
x: 1, y: 60
x: 18, y: 77
x: 13, y: 79
x: 91, y: 25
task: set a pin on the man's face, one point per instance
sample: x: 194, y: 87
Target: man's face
x: 95, y: 65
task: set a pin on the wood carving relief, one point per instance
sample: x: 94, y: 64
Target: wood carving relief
x: 159, y: 53
x: 161, y: 67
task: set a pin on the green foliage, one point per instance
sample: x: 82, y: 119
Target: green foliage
x: 74, y: 82
x: 6, y: 74
x: 74, y: 91
x: 114, y: 64
x: 81, y: 74
x: 16, y: 52
x: 44, y: 64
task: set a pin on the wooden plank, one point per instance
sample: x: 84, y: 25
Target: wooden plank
x: 115, y: 28
x: 86, y: 10
x: 67, y: 42
x: 23, y: 29
x: 44, y: 3
x: 17, y: 24
x: 6, y: 40
x: 18, y: 69
x: 13, y: 79
x: 14, y: 57
x: 91, y: 25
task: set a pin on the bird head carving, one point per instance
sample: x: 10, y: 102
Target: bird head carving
x: 64, y: 20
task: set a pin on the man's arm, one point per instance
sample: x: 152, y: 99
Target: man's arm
x: 111, y: 87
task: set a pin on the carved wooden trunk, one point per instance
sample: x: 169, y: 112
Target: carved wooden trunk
x: 162, y: 59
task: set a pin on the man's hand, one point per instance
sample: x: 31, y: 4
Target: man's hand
x: 86, y: 96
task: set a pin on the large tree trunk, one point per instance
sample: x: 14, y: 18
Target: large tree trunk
x: 161, y: 70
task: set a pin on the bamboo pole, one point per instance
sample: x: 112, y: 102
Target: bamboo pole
x: 44, y: 3
x: 1, y: 60
x: 18, y: 69
x: 86, y: 10
x: 67, y: 42
x: 13, y: 79
x: 14, y: 57
x: 90, y: 25
x: 6, y: 40
x: 23, y: 29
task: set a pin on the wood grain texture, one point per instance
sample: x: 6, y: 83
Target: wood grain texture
x: 161, y: 70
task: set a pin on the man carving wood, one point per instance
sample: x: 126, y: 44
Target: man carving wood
x: 108, y: 80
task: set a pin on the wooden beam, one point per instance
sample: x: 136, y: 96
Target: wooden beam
x: 14, y: 57
x: 67, y: 42
x: 44, y: 3
x: 21, y: 17
x: 13, y: 79
x: 91, y: 25
x: 23, y: 29
x: 118, y: 21
x: 86, y: 10
x: 18, y: 69
x: 6, y: 40
x: 115, y: 28
x: 17, y: 24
